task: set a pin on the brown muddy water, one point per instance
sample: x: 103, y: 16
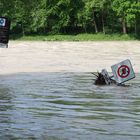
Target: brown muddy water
x: 67, y: 106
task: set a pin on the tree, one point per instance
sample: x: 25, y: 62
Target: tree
x: 70, y: 16
x: 127, y: 10
x: 57, y: 14
x: 96, y: 11
x: 133, y: 15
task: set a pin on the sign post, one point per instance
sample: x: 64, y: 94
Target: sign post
x: 4, y: 31
x: 106, y: 76
x: 123, y: 71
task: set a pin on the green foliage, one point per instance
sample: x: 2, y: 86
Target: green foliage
x: 72, y: 16
x: 79, y: 37
x: 127, y: 10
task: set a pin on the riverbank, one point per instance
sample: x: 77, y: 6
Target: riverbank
x: 77, y: 37
x: 44, y: 56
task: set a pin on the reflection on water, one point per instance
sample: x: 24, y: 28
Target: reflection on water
x: 67, y: 106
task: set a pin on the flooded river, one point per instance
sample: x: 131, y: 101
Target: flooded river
x: 67, y: 106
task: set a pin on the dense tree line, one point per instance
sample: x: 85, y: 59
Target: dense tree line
x: 72, y: 16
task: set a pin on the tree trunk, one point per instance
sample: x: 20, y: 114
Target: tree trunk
x: 135, y: 28
x: 136, y: 25
x: 95, y: 24
x: 23, y: 32
x: 124, y: 26
x: 103, y: 22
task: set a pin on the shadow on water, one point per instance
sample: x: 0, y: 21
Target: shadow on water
x: 67, y: 106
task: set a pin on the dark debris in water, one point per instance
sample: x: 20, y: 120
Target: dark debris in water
x: 100, y: 80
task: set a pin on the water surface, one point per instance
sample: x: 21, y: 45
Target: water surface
x: 67, y: 106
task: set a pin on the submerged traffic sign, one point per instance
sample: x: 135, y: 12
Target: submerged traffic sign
x: 123, y: 71
x: 4, y: 30
x: 106, y: 76
x: 2, y: 22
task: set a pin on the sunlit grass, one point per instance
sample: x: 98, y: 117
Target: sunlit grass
x: 78, y: 37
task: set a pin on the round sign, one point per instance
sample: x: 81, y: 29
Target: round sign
x: 1, y: 21
x: 123, y: 71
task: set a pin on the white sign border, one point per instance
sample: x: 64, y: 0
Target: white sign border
x: 115, y: 71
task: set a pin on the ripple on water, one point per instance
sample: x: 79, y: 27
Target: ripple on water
x: 67, y: 106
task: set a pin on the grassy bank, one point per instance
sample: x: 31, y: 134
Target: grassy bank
x: 79, y: 37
